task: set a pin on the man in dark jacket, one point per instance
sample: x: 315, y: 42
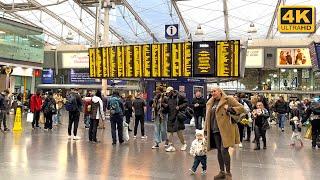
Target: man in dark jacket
x: 139, y: 107
x: 4, y: 109
x: 177, y: 104
x: 74, y: 115
x: 282, y: 108
x: 313, y: 112
x: 199, y: 105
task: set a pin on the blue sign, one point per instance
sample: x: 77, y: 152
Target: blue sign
x: 47, y: 76
x: 172, y: 31
x: 317, y: 48
x: 78, y: 76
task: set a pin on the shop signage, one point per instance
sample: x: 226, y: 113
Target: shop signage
x: 47, y: 76
x: 296, y: 19
x: 75, y: 60
x: 204, y: 59
x: 293, y: 57
x: 254, y: 58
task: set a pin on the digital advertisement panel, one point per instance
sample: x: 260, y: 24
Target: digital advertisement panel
x: 293, y: 57
x: 254, y: 58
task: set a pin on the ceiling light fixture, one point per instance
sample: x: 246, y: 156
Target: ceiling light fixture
x: 69, y: 36
x: 199, y: 31
x: 252, y: 28
x: 2, y: 32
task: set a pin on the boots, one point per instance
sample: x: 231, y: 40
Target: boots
x: 221, y: 175
x: 264, y: 144
x: 258, y: 146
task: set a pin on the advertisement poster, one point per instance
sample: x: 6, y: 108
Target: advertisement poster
x: 293, y: 57
x: 47, y: 76
x: 254, y: 58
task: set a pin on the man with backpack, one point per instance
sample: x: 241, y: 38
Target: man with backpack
x: 96, y: 113
x: 116, y: 117
x: 313, y: 112
x: 139, y: 107
x: 74, y: 106
x: 49, y: 109
x: 4, y: 108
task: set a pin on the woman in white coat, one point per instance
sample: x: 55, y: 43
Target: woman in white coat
x: 96, y: 113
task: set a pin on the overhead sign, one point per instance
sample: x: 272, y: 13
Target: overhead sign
x: 296, y: 19
x: 254, y: 58
x: 228, y: 56
x: 47, y: 76
x: 75, y: 60
x: 80, y: 76
x: 293, y: 57
x: 204, y: 59
x: 172, y: 31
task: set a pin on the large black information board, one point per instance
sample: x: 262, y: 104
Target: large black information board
x: 204, y: 59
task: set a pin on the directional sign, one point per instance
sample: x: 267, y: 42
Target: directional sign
x: 172, y: 31
x: 296, y: 19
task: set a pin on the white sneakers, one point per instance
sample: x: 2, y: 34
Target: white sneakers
x: 183, y: 147
x: 170, y: 149
x: 240, y: 145
x: 144, y: 137
x: 69, y: 137
x: 76, y: 138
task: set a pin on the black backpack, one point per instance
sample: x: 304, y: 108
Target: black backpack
x: 94, y: 109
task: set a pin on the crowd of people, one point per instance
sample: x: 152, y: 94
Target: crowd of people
x: 221, y: 121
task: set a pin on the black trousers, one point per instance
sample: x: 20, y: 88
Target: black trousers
x: 139, y: 118
x: 3, y: 118
x: 198, y: 122
x: 259, y: 132
x: 116, y: 124
x: 93, y: 129
x: 128, y: 116
x: 48, y: 123
x: 197, y: 161
x: 36, y: 117
x: 315, y: 131
x: 241, y: 131
x: 73, y: 119
x: 223, y: 153
x: 249, y: 129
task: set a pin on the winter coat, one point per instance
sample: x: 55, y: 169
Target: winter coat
x: 173, y: 125
x: 59, y: 101
x: 128, y: 107
x: 49, y: 101
x: 87, y: 102
x: 198, y: 147
x: 35, y: 103
x: 281, y: 107
x: 199, y: 111
x: 229, y: 131
x: 262, y: 120
x: 99, y: 113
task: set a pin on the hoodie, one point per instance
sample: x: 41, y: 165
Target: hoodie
x: 100, y: 113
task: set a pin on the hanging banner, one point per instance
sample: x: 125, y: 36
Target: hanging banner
x: 293, y: 57
x: 204, y: 59
x: 254, y: 58
x: 228, y: 55
x: 92, y: 62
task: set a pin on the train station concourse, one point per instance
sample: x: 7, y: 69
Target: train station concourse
x: 159, y: 89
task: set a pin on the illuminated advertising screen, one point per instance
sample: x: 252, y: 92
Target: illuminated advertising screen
x: 293, y: 57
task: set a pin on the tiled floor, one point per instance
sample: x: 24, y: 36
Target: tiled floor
x: 49, y: 155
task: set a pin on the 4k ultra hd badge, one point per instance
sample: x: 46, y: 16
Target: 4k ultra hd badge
x: 296, y: 19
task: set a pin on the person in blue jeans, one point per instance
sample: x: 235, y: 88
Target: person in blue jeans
x: 281, y: 107
x: 116, y: 117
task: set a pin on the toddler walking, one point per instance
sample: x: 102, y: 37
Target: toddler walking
x: 296, y: 131
x: 199, y: 151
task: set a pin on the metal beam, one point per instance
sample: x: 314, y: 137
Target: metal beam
x: 92, y: 14
x: 275, y: 14
x: 45, y: 31
x: 138, y: 18
x: 62, y: 21
x: 226, y: 20
x: 175, y: 5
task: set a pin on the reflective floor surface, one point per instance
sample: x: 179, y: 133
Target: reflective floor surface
x: 50, y: 155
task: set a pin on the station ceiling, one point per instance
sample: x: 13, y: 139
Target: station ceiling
x: 143, y: 21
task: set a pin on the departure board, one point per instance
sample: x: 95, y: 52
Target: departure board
x: 105, y: 62
x: 156, y: 60
x: 187, y: 61
x: 165, y: 60
x: 92, y: 62
x: 204, y: 59
x: 146, y: 53
x: 177, y: 58
x: 129, y: 61
x: 99, y: 65
x: 228, y: 55
x: 137, y: 60
x: 113, y: 62
x: 120, y: 61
